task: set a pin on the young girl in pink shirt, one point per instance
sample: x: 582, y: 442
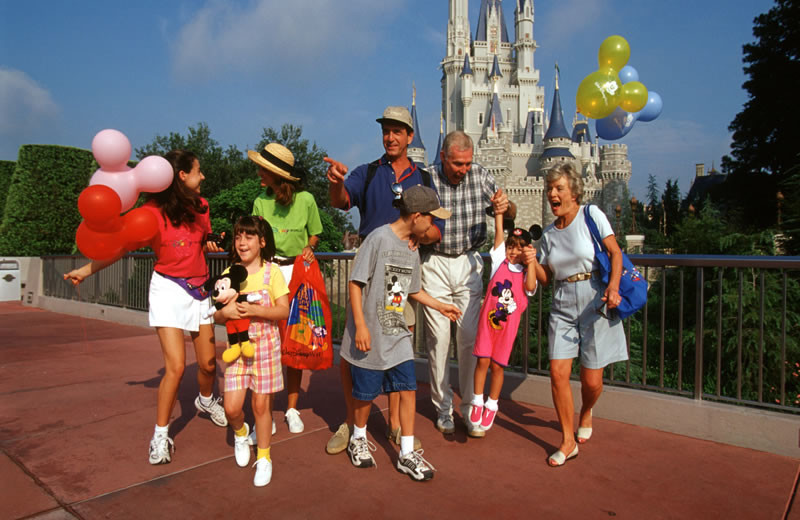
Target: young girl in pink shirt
x: 176, y: 302
x: 512, y: 281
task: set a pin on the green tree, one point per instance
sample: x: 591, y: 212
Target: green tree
x: 222, y: 167
x: 6, y: 172
x: 671, y: 201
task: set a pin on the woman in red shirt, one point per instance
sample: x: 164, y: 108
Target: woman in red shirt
x: 177, y: 303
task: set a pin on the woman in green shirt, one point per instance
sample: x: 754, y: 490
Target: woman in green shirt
x: 293, y: 214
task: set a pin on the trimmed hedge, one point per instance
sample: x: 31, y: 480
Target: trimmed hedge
x: 41, y: 209
x: 6, y: 171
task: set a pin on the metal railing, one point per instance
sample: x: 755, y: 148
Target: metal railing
x: 723, y: 328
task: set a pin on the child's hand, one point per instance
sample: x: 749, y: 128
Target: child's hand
x: 75, y: 276
x: 212, y: 247
x: 529, y: 255
x: 362, y: 339
x: 450, y: 311
x: 248, y: 310
x: 230, y: 311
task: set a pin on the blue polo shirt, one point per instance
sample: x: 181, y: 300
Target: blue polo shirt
x: 375, y: 206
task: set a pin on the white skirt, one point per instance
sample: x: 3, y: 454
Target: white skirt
x: 172, y: 306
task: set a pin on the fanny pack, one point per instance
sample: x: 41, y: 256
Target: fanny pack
x: 193, y: 286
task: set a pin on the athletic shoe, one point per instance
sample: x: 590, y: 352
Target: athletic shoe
x: 474, y: 430
x: 338, y: 443
x: 161, y: 448
x: 214, y: 410
x: 241, y: 448
x: 359, y: 451
x: 394, y: 436
x: 293, y: 420
x: 475, y: 414
x: 252, y: 440
x: 445, y: 424
x: 488, y: 418
x: 263, y: 472
x: 415, y: 466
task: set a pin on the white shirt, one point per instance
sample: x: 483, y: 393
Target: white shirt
x: 570, y: 250
x: 497, y: 256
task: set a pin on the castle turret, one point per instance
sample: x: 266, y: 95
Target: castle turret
x: 438, y: 158
x: 416, y: 150
x: 557, y: 140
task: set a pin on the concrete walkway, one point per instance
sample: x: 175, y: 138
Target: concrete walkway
x: 78, y: 408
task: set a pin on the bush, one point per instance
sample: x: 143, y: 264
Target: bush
x: 6, y: 171
x: 41, y: 210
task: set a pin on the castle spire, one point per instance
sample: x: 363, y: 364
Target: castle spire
x: 495, y: 74
x: 417, y: 141
x: 557, y: 128
x: 438, y: 158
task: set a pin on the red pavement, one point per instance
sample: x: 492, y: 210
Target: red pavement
x: 78, y: 408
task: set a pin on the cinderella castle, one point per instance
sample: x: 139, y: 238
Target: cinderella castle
x: 491, y: 90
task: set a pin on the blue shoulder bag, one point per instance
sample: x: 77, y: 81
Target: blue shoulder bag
x: 632, y: 285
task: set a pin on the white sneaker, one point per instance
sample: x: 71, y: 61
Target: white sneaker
x: 214, y: 410
x: 161, y: 448
x: 293, y: 420
x: 252, y: 440
x: 263, y: 472
x: 415, y: 466
x: 359, y: 451
x: 241, y: 448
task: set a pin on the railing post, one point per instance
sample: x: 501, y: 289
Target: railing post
x: 698, y: 338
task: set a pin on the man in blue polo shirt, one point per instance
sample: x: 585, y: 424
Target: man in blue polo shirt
x: 372, y: 188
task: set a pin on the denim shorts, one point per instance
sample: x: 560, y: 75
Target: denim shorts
x: 368, y: 384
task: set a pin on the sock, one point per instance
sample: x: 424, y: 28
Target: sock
x: 491, y: 404
x: 406, y: 444
x: 359, y: 433
x: 206, y: 401
x: 477, y: 400
x: 263, y: 453
x: 241, y: 432
x: 161, y: 431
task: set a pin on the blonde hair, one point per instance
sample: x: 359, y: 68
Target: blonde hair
x: 573, y: 178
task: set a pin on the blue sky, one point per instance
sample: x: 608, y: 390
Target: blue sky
x: 148, y: 67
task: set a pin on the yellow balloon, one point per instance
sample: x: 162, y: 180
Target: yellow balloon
x: 614, y: 52
x: 599, y: 93
x: 634, y: 96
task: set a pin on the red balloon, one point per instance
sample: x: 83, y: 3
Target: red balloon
x: 139, y: 227
x: 100, y: 206
x: 98, y: 245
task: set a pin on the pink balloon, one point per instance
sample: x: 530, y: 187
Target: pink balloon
x: 112, y: 150
x: 153, y: 174
x: 122, y: 182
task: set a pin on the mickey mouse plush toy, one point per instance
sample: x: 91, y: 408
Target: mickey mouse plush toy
x: 223, y: 289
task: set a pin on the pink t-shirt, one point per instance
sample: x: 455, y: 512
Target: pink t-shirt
x: 179, y: 250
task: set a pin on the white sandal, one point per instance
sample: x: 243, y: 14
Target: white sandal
x: 559, y: 459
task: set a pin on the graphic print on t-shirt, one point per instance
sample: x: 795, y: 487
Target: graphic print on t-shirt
x: 396, y: 281
x: 504, y: 306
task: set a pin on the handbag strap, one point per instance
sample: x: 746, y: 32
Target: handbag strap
x: 596, y: 240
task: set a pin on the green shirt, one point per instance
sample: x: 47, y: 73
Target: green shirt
x: 291, y: 225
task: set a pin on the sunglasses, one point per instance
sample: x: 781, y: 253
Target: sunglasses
x: 397, y: 189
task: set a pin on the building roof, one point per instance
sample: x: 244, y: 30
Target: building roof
x: 527, y: 137
x: 495, y: 118
x: 700, y: 187
x: 495, y: 72
x: 581, y: 132
x: 557, y: 152
x: 467, y: 69
x: 417, y: 141
x: 557, y: 128
x: 480, y: 33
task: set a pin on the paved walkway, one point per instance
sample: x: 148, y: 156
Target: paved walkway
x: 78, y: 408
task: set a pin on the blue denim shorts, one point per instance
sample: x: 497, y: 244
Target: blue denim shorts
x: 368, y: 384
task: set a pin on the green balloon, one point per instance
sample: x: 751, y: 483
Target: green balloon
x: 614, y: 52
x: 599, y: 93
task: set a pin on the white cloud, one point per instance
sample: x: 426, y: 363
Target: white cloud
x: 24, y: 105
x: 275, y: 39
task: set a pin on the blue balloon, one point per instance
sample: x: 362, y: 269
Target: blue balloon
x: 628, y: 74
x: 653, y: 107
x: 615, y: 126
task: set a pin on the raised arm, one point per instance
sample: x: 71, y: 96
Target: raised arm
x: 336, y: 191
x: 78, y: 275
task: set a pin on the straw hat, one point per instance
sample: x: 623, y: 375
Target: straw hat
x: 277, y: 159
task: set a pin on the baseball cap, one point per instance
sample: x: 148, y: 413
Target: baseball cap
x: 397, y: 115
x: 423, y: 200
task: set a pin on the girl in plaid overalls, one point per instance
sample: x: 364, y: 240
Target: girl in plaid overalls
x: 253, y: 248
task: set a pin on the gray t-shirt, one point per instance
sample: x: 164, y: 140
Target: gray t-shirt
x: 390, y: 272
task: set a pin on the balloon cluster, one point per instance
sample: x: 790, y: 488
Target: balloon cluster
x: 614, y: 95
x: 114, y: 188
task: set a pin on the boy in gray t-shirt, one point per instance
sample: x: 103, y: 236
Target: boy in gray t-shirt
x: 376, y: 341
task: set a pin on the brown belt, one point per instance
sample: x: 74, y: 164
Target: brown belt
x: 284, y: 261
x: 578, y: 277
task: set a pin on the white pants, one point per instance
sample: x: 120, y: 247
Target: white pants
x: 457, y: 281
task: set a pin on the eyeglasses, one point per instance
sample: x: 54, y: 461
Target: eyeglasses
x: 397, y: 189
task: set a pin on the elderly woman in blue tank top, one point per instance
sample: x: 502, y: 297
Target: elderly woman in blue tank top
x: 582, y: 321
